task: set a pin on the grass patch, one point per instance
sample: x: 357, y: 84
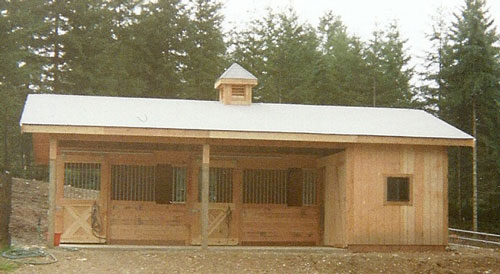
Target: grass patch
x: 6, y: 265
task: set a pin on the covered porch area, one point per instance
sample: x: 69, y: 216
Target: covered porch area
x: 192, y: 190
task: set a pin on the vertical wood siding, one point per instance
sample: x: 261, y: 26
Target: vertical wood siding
x: 420, y: 222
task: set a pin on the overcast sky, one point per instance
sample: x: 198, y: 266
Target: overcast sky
x: 360, y: 16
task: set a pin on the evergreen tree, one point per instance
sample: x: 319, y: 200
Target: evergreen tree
x: 435, y: 61
x: 156, y: 48
x: 341, y: 74
x: 18, y: 70
x: 470, y: 96
x: 389, y: 69
x: 282, y: 52
x: 205, y: 49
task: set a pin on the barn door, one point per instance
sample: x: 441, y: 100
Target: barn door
x: 78, y: 224
x: 221, y: 222
x: 83, y: 219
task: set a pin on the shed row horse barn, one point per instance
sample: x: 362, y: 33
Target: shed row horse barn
x: 233, y: 172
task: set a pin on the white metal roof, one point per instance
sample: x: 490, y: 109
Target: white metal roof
x: 235, y: 71
x: 72, y: 110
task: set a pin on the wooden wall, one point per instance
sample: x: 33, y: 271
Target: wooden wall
x: 334, y: 169
x: 134, y: 222
x: 371, y: 221
x: 354, y: 212
x: 279, y: 224
x: 148, y: 223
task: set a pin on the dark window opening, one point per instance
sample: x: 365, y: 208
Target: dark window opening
x: 398, y: 189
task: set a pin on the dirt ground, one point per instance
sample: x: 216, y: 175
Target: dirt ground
x: 29, y: 208
x: 30, y: 204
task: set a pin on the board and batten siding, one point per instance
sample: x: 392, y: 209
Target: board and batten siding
x: 148, y: 223
x: 333, y: 169
x: 372, y: 221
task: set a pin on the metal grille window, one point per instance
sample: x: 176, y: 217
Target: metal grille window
x: 82, y: 181
x: 179, y: 187
x: 309, y: 187
x: 261, y: 186
x: 220, y: 186
x: 133, y: 183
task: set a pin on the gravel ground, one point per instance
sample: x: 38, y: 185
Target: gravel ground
x: 459, y: 260
x: 30, y: 204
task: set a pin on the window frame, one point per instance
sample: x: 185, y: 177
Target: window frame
x: 186, y: 180
x: 410, y: 188
x: 71, y: 158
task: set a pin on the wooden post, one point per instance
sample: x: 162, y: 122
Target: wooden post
x: 52, y: 192
x: 5, y: 210
x: 238, y: 202
x: 205, y: 179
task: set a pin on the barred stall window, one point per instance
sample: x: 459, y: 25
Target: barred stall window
x: 220, y: 185
x: 82, y: 181
x: 262, y: 186
x: 309, y: 187
x: 180, y: 180
x: 132, y: 183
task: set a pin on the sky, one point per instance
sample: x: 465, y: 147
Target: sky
x: 414, y: 17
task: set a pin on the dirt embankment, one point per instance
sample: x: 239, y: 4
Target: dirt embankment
x: 29, y: 211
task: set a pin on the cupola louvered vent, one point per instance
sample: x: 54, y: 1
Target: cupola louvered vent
x: 235, y: 86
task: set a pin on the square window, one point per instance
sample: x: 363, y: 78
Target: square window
x: 398, y: 189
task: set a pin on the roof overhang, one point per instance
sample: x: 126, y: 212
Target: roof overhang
x: 244, y: 135
x: 234, y: 81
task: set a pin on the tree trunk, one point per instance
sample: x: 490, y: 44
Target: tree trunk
x: 56, y: 86
x: 5, y: 210
x: 474, y: 169
x: 6, y: 159
x: 459, y: 180
x: 374, y: 92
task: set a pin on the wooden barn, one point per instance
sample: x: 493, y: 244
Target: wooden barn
x: 233, y: 172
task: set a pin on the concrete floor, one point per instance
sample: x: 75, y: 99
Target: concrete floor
x: 312, y: 249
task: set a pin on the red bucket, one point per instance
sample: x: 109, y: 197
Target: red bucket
x: 57, y: 239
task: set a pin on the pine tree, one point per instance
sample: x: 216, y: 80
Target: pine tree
x: 205, y: 49
x: 389, y: 68
x: 156, y: 47
x: 282, y: 52
x: 341, y: 73
x: 470, y: 93
x: 18, y: 72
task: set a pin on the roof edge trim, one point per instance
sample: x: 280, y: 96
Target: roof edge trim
x: 244, y: 135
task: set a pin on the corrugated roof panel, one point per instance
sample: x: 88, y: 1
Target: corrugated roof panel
x: 72, y: 110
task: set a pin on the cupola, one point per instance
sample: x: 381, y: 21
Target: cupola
x: 235, y: 86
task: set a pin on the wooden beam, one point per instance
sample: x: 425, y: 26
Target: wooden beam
x: 205, y: 179
x: 52, y: 191
x: 244, y: 135
x: 250, y: 82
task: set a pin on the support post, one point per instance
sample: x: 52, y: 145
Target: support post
x: 52, y: 192
x: 205, y: 179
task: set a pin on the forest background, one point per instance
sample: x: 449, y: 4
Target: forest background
x: 177, y: 49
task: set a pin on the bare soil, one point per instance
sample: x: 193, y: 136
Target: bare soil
x: 30, y: 204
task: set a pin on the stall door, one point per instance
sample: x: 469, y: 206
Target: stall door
x: 222, y: 228
x: 82, y: 220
